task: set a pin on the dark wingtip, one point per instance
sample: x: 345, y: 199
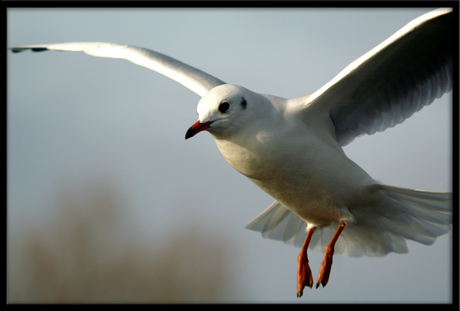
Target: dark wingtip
x: 38, y: 49
x: 16, y: 50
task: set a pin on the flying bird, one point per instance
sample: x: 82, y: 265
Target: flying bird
x: 292, y: 148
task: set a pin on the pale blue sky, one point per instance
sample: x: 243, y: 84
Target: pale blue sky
x: 72, y: 116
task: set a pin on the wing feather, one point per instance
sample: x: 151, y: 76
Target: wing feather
x: 192, y: 78
x: 392, y: 81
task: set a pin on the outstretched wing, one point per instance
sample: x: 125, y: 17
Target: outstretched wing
x: 388, y: 84
x: 192, y: 78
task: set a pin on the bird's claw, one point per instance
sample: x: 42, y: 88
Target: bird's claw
x: 304, y: 276
x: 325, y: 270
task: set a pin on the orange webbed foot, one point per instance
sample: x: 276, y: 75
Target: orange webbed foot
x: 326, y: 265
x: 325, y: 269
x: 304, y: 276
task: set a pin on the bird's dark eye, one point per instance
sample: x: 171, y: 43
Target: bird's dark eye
x: 223, y: 107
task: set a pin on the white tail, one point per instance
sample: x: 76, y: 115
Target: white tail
x: 417, y: 215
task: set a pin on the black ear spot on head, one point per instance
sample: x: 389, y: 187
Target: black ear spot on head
x: 244, y: 103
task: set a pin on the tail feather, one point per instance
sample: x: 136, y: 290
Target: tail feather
x: 417, y: 215
x: 432, y: 210
x: 433, y: 201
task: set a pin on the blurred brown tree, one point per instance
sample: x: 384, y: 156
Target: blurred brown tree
x: 83, y: 255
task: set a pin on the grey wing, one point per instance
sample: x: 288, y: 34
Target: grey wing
x: 392, y: 81
x: 192, y: 78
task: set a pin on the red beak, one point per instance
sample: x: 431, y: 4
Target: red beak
x: 196, y: 128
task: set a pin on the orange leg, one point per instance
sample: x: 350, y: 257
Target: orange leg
x: 326, y: 265
x: 304, y: 277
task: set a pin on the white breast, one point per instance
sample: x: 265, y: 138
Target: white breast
x: 313, y: 179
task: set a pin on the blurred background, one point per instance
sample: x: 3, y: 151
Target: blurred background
x: 81, y: 255
x: 108, y: 203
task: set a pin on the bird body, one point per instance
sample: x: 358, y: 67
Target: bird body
x: 288, y: 148
x: 292, y: 158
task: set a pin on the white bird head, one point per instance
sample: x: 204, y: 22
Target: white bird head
x: 223, y: 111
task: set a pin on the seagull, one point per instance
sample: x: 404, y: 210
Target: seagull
x: 292, y: 148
